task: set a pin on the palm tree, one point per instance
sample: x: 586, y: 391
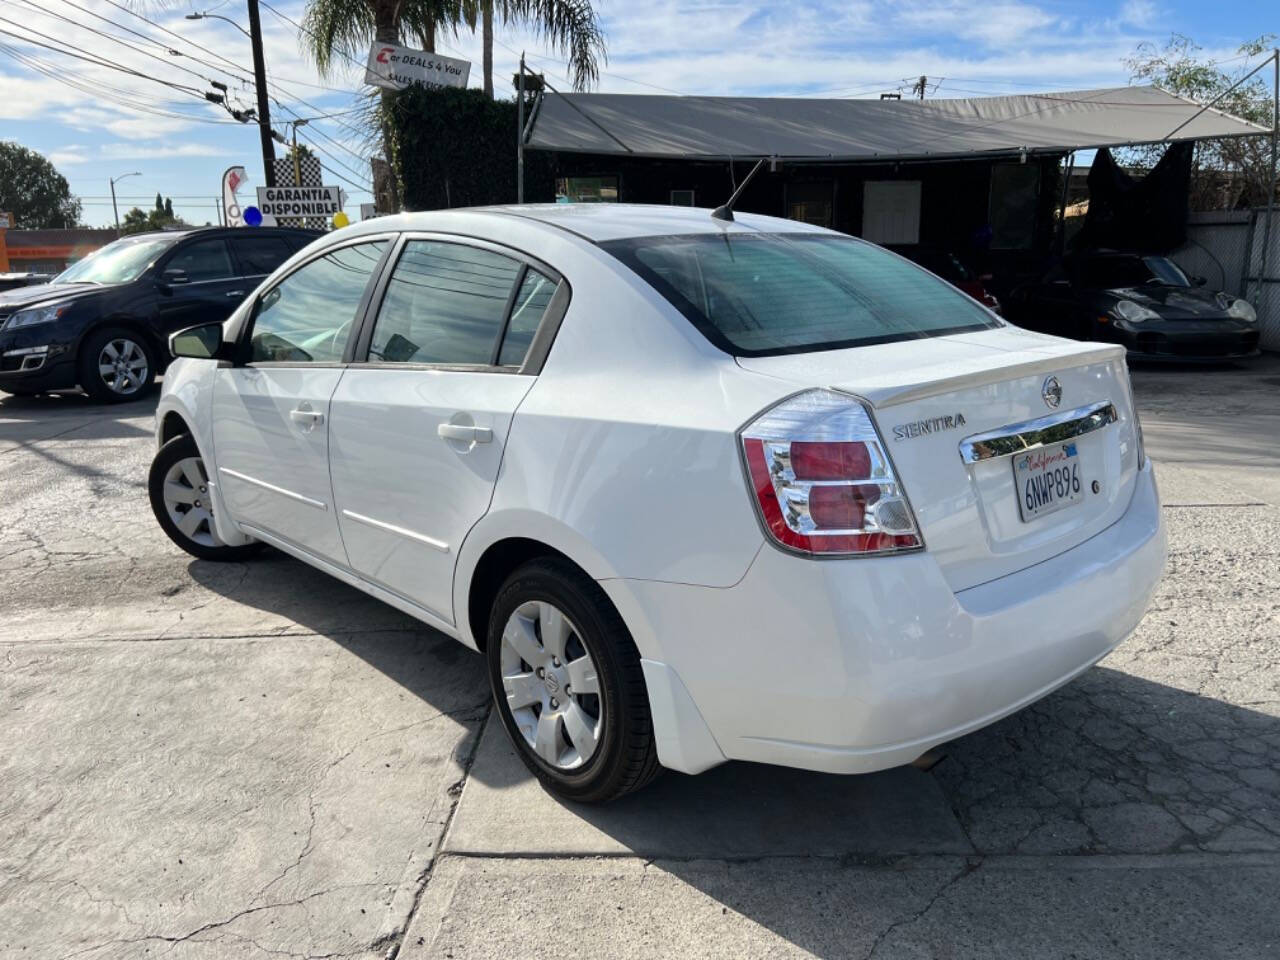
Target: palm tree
x: 336, y: 30
x: 570, y: 27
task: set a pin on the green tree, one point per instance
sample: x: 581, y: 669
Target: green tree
x: 33, y: 191
x: 159, y: 217
x: 1224, y: 173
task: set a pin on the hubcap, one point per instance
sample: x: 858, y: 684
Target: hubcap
x: 123, y: 366
x: 551, y: 685
x: 186, y: 499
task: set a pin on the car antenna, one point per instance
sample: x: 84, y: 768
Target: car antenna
x: 725, y: 212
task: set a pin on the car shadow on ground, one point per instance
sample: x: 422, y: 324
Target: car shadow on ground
x: 1111, y: 764
x: 71, y: 415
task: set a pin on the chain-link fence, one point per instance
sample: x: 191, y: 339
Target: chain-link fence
x: 1226, y: 248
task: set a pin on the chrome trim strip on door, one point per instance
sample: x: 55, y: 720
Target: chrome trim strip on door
x: 1056, y: 428
x: 318, y: 504
x: 392, y: 528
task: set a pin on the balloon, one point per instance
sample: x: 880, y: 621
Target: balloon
x: 340, y: 220
x: 253, y: 216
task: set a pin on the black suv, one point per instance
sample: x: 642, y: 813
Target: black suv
x: 103, y: 323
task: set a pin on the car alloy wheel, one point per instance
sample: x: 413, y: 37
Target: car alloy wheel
x: 186, y: 499
x: 551, y: 685
x: 123, y: 366
x: 180, y: 493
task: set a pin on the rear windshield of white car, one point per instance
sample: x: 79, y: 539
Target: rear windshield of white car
x: 761, y: 294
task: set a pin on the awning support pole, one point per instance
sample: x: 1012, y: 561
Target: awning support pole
x: 590, y: 119
x: 1271, y: 192
x: 1070, y: 166
x: 1169, y: 135
x: 520, y: 134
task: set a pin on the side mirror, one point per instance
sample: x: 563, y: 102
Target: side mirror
x: 173, y: 277
x: 1198, y: 281
x: 203, y: 342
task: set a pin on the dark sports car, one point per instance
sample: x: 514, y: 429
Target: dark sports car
x: 1142, y: 301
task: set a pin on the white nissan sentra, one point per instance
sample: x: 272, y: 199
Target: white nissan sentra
x: 698, y: 490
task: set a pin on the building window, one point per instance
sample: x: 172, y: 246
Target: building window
x: 1015, y: 196
x: 587, y: 190
x: 682, y: 198
x: 812, y: 203
x: 891, y: 211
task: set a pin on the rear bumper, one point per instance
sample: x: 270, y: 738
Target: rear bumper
x: 857, y: 665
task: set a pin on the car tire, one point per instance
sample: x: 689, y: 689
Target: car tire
x: 116, y: 365
x: 178, y: 487
x: 531, y: 672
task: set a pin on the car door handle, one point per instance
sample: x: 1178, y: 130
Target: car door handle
x: 457, y: 431
x: 235, y: 293
x: 308, y: 418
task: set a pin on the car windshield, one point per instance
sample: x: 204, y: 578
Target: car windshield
x: 1105, y: 273
x: 759, y: 294
x: 118, y: 262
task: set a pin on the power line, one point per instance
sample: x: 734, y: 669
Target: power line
x: 124, y: 43
x: 128, y: 99
x: 363, y: 186
x: 66, y: 48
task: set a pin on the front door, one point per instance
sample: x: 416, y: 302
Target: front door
x: 198, y: 284
x: 271, y: 414
x: 418, y: 429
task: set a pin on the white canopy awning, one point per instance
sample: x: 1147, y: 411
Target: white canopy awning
x: 868, y: 130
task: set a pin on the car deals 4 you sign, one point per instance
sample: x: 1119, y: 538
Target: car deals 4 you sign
x: 398, y: 67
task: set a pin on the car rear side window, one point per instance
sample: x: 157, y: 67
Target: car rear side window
x: 530, y: 304
x: 202, y: 260
x: 759, y: 294
x: 307, y: 317
x: 445, y: 303
x: 258, y: 256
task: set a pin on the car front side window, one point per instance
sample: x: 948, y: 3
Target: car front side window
x: 308, y: 316
x: 201, y: 261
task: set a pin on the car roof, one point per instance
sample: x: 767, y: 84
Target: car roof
x: 597, y: 222
x: 186, y: 233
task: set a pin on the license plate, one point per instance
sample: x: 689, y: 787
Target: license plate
x: 1047, y: 479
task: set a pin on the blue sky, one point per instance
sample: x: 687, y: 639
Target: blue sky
x: 95, y: 123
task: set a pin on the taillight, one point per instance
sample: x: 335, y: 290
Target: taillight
x: 822, y: 481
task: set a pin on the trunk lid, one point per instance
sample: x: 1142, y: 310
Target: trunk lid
x: 928, y: 395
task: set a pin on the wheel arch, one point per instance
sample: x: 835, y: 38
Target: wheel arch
x: 173, y: 424
x: 499, y: 560
x: 134, y: 325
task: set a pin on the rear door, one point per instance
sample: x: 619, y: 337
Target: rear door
x: 271, y: 414
x: 258, y: 254
x: 419, y: 422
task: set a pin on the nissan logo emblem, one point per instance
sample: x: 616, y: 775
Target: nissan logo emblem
x: 1052, y: 392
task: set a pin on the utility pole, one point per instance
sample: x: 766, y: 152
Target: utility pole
x: 260, y: 81
x: 920, y: 86
x: 254, y: 33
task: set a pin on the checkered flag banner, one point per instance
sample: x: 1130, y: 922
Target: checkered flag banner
x: 312, y: 176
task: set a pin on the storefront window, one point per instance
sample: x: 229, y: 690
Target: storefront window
x: 811, y: 203
x: 587, y: 190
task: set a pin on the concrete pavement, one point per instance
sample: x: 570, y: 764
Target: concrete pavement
x: 253, y: 760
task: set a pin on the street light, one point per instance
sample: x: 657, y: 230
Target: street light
x: 114, y: 209
x: 254, y: 33
x: 218, y: 16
